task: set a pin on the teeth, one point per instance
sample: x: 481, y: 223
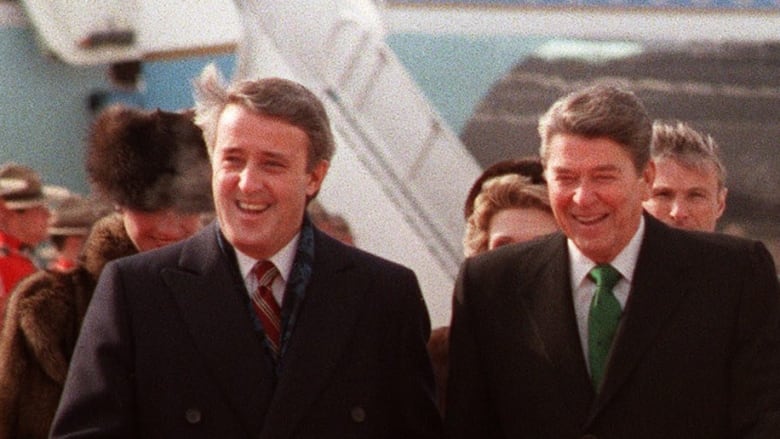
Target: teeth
x: 588, y: 219
x: 253, y: 207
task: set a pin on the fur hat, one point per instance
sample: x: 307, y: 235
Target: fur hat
x: 149, y: 160
x: 20, y: 187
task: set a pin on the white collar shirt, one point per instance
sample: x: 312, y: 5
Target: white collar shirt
x: 283, y: 260
x: 583, y: 287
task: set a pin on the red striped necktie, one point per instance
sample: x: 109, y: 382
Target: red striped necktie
x: 265, y: 305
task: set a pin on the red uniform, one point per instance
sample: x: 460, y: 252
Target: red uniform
x: 14, y: 266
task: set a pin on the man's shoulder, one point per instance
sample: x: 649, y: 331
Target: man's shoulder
x: 719, y: 254
x: 329, y: 249
x: 700, y: 243
x: 538, y: 251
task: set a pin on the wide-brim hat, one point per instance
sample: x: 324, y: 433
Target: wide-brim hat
x: 149, y: 160
x: 75, y: 215
x: 20, y: 187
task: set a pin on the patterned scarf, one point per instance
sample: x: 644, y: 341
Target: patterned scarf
x: 296, y: 287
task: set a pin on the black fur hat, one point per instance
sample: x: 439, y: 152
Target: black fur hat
x: 149, y: 160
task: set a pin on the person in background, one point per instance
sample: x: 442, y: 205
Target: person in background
x: 333, y: 224
x: 509, y: 209
x: 618, y: 326
x: 508, y: 206
x: 689, y: 190
x: 153, y: 167
x: 530, y: 167
x: 71, y: 220
x: 23, y: 222
x: 260, y: 325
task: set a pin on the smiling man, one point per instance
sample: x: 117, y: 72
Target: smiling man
x: 260, y: 326
x: 619, y: 326
x: 689, y: 190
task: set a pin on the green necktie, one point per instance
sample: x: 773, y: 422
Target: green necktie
x: 602, y: 320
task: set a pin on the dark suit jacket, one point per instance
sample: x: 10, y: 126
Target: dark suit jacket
x: 697, y: 353
x: 168, y: 350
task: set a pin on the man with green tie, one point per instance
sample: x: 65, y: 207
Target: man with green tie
x: 619, y: 326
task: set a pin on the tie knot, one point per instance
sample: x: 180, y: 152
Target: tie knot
x: 605, y: 276
x: 265, y: 272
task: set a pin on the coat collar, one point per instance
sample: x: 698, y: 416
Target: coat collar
x: 211, y: 299
x: 550, y: 300
x: 658, y: 287
x: 107, y: 241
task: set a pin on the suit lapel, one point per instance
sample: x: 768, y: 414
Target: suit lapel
x: 326, y: 321
x: 207, y: 290
x: 656, y: 292
x: 551, y: 306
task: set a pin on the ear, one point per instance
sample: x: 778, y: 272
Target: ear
x: 647, y: 177
x: 721, y: 199
x: 316, y: 176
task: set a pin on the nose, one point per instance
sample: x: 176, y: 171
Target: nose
x: 584, y: 194
x: 250, y: 179
x: 678, y: 211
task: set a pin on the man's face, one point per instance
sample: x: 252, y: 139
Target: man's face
x: 686, y: 197
x: 28, y: 225
x: 596, y: 193
x: 260, y: 181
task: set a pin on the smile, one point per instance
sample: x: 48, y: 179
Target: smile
x: 589, y: 220
x: 253, y: 207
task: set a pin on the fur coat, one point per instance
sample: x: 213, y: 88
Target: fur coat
x: 42, y: 323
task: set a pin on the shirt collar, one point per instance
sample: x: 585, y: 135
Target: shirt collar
x: 283, y: 259
x: 624, y: 262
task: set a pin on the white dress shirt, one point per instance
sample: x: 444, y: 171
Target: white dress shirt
x: 583, y: 287
x: 283, y: 260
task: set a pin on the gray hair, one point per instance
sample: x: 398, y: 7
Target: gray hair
x: 600, y: 111
x: 680, y: 142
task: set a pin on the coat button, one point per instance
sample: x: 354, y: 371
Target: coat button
x: 358, y: 414
x: 192, y: 416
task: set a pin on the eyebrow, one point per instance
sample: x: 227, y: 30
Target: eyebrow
x: 600, y: 168
x: 603, y: 168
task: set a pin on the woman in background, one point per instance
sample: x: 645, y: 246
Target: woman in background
x: 153, y: 167
x: 508, y: 203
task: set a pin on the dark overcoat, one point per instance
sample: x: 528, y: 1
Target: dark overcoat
x: 168, y: 349
x: 696, y: 355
